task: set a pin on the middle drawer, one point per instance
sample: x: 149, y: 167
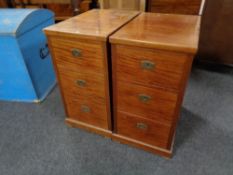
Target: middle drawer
x: 151, y: 103
x: 82, y: 84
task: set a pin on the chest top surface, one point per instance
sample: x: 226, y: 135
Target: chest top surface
x: 94, y: 24
x: 162, y: 31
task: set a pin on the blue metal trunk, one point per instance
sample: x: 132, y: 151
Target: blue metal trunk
x: 26, y: 71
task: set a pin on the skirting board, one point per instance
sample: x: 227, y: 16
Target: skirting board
x: 143, y: 146
x: 90, y: 128
x: 118, y: 138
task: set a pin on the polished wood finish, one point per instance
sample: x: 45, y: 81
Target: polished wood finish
x: 159, y: 107
x: 138, y: 128
x: 151, y: 61
x: 167, y: 70
x: 3, y: 4
x: 93, y: 106
x: 216, y: 38
x: 90, y: 110
x: 161, y: 31
x: 93, y: 25
x: 92, y: 55
x: 62, y: 11
x: 190, y: 7
x: 142, y: 145
x: 87, y: 127
x: 80, y: 57
x: 88, y: 84
x: 123, y: 4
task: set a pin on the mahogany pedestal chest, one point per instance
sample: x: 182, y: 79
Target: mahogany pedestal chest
x: 80, y: 54
x: 151, y: 57
x: 151, y: 61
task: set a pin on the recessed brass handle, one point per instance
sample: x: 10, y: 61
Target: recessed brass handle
x: 85, y: 109
x: 142, y: 126
x: 76, y: 53
x: 81, y: 83
x: 148, y: 65
x: 144, y: 98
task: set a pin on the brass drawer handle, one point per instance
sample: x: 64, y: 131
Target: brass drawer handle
x: 144, y: 98
x: 76, y: 53
x: 148, y: 65
x: 142, y: 126
x: 81, y: 83
x: 85, y: 109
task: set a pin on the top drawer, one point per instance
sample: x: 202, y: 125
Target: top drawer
x: 149, y: 66
x: 78, y: 55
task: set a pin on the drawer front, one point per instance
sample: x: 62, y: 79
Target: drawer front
x: 176, y: 2
x: 90, y: 110
x: 78, y: 55
x: 150, y: 67
x: 161, y: 8
x: 142, y: 130
x: 82, y: 84
x: 151, y: 103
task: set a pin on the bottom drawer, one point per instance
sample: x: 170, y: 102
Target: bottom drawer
x: 143, y: 130
x: 92, y: 111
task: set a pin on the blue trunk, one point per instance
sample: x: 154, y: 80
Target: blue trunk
x: 26, y: 71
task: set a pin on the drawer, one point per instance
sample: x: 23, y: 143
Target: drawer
x: 143, y: 130
x: 175, y: 3
x: 162, y: 2
x: 149, y: 66
x: 161, y: 8
x: 82, y: 84
x: 78, y: 55
x: 151, y: 103
x: 90, y: 110
x: 176, y: 7
x: 188, y: 9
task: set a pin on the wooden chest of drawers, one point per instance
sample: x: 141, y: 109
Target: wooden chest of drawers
x: 80, y: 55
x: 190, y: 7
x: 151, y: 61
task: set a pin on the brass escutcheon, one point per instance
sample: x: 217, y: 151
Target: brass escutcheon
x: 81, y: 83
x: 142, y: 126
x: 76, y: 53
x: 144, y: 98
x: 85, y: 109
x: 148, y: 65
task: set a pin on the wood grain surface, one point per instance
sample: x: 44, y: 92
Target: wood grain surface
x: 94, y: 24
x: 87, y: 102
x: 150, y: 68
x: 160, y: 106
x: 90, y: 110
x: 189, y: 7
x: 85, y: 84
x: 146, y: 131
x: 91, y: 59
x: 161, y: 31
x: 167, y: 66
x: 80, y: 55
x: 216, y: 37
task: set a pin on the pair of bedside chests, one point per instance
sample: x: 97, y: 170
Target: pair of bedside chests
x: 122, y: 74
